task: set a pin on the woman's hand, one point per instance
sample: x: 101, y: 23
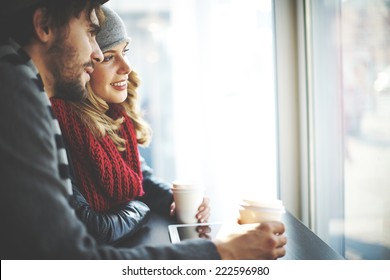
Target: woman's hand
x: 172, y: 212
x: 203, y: 211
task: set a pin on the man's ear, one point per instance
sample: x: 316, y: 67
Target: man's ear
x: 41, y: 25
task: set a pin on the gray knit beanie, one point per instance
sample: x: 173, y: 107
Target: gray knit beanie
x: 112, y: 32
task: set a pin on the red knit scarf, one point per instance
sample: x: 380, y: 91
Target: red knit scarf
x: 104, y: 175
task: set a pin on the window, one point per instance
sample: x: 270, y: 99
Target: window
x: 349, y: 106
x: 208, y: 90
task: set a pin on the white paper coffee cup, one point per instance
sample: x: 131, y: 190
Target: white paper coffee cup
x: 257, y: 211
x: 188, y: 196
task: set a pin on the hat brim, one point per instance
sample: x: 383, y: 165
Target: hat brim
x: 113, y: 44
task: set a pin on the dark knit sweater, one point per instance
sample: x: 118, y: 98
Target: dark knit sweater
x: 105, y: 176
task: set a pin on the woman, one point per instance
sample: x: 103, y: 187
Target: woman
x: 115, y: 188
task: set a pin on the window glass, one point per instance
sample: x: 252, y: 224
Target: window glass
x: 208, y: 90
x: 351, y: 105
x: 366, y: 94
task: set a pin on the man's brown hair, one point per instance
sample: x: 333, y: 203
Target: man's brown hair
x: 18, y: 25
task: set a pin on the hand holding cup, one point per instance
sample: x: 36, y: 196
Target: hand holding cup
x: 190, y: 204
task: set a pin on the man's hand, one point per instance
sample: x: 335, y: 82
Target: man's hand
x: 263, y: 241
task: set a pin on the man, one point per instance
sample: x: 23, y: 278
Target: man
x: 49, y: 47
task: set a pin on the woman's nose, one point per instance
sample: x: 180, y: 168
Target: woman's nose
x: 125, y: 66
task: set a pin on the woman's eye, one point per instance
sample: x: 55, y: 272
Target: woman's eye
x: 107, y: 58
x: 125, y: 51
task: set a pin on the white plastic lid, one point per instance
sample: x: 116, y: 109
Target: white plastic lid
x: 266, y: 203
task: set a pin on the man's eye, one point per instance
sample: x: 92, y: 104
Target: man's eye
x: 92, y: 32
x: 125, y: 51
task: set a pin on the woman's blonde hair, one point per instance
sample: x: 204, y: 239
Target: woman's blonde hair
x: 92, y: 112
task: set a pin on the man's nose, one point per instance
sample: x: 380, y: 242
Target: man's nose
x: 97, y: 54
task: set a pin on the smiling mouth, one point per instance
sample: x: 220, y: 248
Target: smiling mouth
x: 119, y: 84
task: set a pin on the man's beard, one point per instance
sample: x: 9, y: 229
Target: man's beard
x: 67, y: 70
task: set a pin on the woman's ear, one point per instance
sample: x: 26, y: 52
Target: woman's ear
x: 41, y: 25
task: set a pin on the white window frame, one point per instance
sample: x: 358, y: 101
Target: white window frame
x: 300, y: 184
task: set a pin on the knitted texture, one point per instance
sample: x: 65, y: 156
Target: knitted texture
x: 105, y: 176
x: 113, y: 30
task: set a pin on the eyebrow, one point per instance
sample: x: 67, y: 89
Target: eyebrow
x: 114, y: 51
